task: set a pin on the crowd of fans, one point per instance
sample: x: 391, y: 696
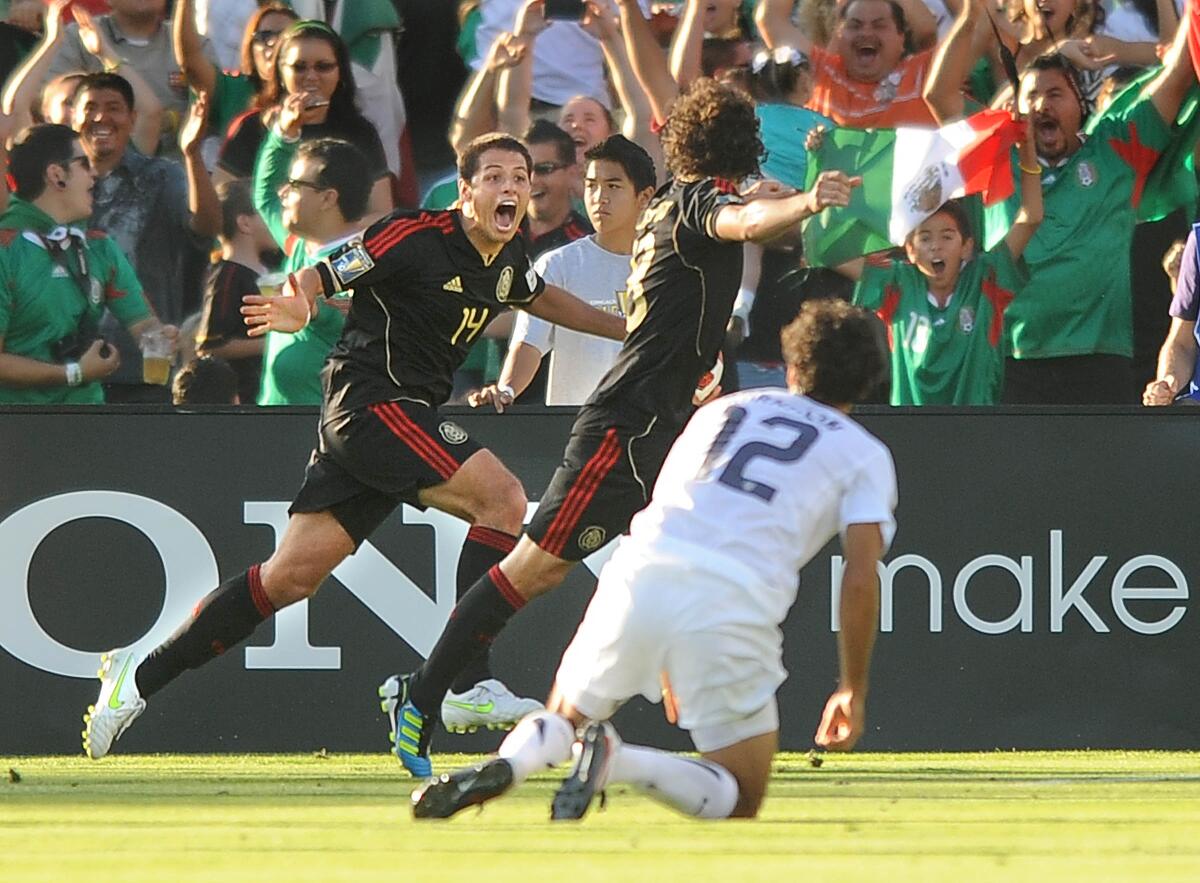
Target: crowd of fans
x: 167, y: 157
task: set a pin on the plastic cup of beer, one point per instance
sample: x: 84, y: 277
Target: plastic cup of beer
x: 271, y: 285
x: 158, y: 351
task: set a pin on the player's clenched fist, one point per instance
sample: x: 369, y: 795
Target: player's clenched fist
x: 831, y: 189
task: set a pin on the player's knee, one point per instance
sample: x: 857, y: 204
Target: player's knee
x: 503, y: 506
x: 288, y: 582
x: 748, y: 803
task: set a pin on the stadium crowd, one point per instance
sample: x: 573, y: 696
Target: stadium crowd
x: 166, y: 158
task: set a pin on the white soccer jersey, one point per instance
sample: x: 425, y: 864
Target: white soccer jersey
x: 577, y: 361
x: 758, y: 483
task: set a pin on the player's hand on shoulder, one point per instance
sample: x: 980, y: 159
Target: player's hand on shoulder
x: 492, y: 395
x: 843, y: 721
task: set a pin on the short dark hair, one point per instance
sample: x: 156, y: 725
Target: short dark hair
x: 468, y: 160
x: 839, y: 352
x: 545, y: 132
x: 36, y: 148
x: 112, y: 82
x: 343, y: 167
x: 237, y: 201
x: 898, y: 15
x: 636, y: 162
x: 207, y: 380
x: 957, y: 214
x: 712, y: 132
x: 1056, y: 61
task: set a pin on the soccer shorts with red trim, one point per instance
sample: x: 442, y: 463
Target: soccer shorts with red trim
x: 608, y: 471
x: 370, y: 461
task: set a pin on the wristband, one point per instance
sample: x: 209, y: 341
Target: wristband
x: 282, y: 137
x: 1036, y: 170
x: 506, y: 390
x: 74, y: 374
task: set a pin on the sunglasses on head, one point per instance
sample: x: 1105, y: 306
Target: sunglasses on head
x: 300, y: 68
x: 781, y: 55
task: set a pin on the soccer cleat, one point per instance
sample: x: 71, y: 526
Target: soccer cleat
x: 411, y: 731
x: 488, y: 704
x: 599, y: 745
x: 118, y: 706
x: 452, y: 792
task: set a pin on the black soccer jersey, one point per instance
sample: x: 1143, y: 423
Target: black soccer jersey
x: 677, y: 301
x: 422, y: 295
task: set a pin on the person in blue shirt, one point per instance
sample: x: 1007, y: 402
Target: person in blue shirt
x: 1178, y: 377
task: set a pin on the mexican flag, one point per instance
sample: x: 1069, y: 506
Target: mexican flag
x: 907, y: 174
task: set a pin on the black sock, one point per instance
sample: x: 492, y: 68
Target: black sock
x: 484, y: 547
x: 474, y: 624
x: 223, y: 618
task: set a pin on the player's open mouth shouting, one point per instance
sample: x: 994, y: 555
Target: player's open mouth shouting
x: 506, y: 215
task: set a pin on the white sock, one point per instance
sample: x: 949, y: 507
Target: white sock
x: 541, y: 741
x: 693, y: 786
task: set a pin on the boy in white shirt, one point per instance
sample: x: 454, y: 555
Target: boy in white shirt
x: 619, y: 183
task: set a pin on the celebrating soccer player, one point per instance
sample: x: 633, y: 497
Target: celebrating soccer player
x: 425, y: 285
x: 689, y: 598
x: 687, y: 263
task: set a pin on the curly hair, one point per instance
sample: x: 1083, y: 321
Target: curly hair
x: 712, y: 132
x: 838, y: 352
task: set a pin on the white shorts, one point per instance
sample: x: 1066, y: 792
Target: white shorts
x: 657, y: 614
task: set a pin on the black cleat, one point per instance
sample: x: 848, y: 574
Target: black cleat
x: 451, y: 792
x: 589, y: 775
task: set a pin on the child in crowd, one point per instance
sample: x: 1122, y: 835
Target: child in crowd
x: 944, y: 306
x: 244, y: 238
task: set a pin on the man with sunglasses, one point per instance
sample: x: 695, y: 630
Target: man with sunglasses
x: 56, y: 278
x: 313, y: 200
x: 553, y: 221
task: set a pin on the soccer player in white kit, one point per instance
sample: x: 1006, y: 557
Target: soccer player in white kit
x: 755, y: 486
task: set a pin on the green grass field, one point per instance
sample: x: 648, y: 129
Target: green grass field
x: 963, y: 817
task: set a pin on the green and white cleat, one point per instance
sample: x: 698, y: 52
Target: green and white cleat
x: 119, y: 704
x: 489, y: 704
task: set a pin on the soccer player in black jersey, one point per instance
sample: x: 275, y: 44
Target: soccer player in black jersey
x: 687, y: 262
x: 425, y: 284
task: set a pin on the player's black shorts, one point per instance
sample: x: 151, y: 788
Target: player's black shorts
x: 370, y: 461
x: 608, y: 472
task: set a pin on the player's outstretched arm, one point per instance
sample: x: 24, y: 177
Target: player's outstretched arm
x: 288, y: 312
x: 760, y: 220
x: 846, y: 711
x: 559, y: 306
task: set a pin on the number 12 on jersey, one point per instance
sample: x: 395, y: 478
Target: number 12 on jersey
x: 733, y: 475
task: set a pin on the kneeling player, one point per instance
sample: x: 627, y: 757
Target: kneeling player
x: 755, y: 486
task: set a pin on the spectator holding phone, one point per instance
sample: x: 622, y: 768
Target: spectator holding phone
x: 312, y: 62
